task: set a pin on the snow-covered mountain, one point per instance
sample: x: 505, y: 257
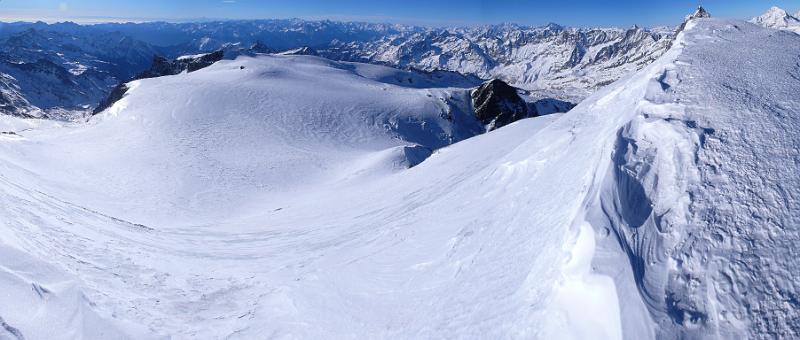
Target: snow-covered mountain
x: 55, y: 70
x: 778, y: 18
x: 272, y: 196
x: 48, y: 70
x: 279, y: 34
x: 573, y: 62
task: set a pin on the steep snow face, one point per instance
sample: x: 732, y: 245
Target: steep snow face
x: 776, y: 17
x: 231, y: 203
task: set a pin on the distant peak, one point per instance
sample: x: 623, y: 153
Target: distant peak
x: 776, y: 17
x: 554, y: 27
x: 700, y: 12
x: 776, y: 10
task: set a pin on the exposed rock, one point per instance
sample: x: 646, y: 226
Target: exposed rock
x: 164, y: 67
x: 116, y: 94
x: 416, y: 154
x: 700, y: 12
x: 498, y: 104
x: 203, y: 61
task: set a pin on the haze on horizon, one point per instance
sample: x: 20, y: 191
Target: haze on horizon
x: 414, y: 12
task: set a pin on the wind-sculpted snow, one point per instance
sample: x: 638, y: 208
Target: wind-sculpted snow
x: 701, y: 192
x: 276, y: 201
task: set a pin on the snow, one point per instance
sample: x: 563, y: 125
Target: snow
x: 778, y: 18
x: 276, y: 201
x: 192, y: 56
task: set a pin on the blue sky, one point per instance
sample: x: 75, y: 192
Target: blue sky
x: 421, y: 12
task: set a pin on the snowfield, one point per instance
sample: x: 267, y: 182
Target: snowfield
x: 272, y: 197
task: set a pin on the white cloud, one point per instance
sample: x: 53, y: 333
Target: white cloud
x: 63, y: 7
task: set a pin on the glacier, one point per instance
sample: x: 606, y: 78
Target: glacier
x: 287, y: 199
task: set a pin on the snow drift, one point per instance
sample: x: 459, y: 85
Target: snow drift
x: 276, y: 201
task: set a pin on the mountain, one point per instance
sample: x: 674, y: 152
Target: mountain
x: 76, y: 66
x: 498, y: 104
x: 57, y: 70
x: 300, y: 197
x: 777, y: 18
x: 568, y: 59
x: 279, y: 34
x: 573, y: 62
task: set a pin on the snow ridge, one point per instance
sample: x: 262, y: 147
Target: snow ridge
x: 681, y: 169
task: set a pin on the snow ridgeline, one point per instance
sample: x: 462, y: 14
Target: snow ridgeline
x: 240, y: 203
x: 701, y: 193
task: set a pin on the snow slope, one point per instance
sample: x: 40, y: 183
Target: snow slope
x: 273, y: 202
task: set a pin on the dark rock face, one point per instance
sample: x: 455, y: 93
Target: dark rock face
x: 497, y: 104
x: 203, y: 61
x: 162, y: 67
x: 116, y: 94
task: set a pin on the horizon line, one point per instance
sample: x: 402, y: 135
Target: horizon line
x: 98, y: 20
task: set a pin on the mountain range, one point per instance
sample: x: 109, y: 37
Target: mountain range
x: 64, y: 70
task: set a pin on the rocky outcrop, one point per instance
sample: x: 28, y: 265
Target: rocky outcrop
x: 116, y: 94
x: 162, y: 67
x: 202, y: 61
x: 700, y: 12
x: 498, y: 104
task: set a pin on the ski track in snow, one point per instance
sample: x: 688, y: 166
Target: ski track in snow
x: 663, y: 206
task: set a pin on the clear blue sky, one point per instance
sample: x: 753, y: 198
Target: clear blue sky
x: 424, y: 12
